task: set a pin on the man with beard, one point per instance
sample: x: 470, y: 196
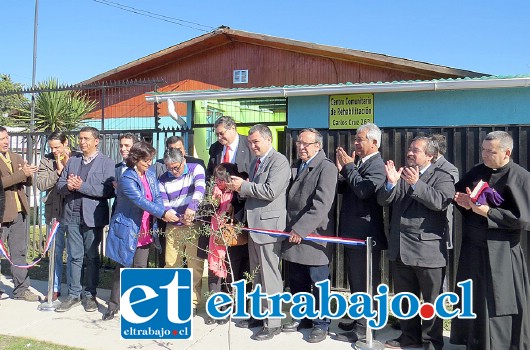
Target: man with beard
x: 419, y: 195
x: 491, y: 254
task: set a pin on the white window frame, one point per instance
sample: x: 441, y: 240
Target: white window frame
x: 240, y: 76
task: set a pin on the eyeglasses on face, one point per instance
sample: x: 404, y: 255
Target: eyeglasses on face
x: 304, y: 144
x: 175, y: 169
x: 222, y: 133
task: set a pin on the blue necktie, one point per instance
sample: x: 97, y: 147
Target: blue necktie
x: 302, y: 167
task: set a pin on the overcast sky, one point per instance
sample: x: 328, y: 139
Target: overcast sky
x: 78, y: 39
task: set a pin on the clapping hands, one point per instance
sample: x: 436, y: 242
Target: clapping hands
x: 28, y: 169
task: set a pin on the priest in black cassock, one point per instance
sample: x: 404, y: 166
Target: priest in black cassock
x: 491, y: 254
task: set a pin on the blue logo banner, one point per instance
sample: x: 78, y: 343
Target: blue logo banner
x: 156, y: 303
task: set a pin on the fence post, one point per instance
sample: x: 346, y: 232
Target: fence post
x: 50, y: 304
x: 368, y: 342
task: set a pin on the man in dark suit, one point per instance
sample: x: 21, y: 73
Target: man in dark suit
x: 86, y: 183
x: 419, y: 195
x: 265, y: 208
x: 439, y: 160
x: 310, y: 210
x: 360, y: 215
x: 230, y: 147
x: 16, y: 175
x: 177, y: 142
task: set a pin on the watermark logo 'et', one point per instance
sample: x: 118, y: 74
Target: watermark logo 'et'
x: 156, y: 303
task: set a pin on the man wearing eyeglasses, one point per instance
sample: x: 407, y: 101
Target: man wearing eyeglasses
x: 230, y: 147
x: 86, y: 183
x: 182, y: 189
x: 177, y: 142
x: 310, y: 210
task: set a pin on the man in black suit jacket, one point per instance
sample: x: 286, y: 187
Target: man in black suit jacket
x: 439, y: 161
x: 419, y: 195
x: 229, y: 141
x: 360, y: 215
x: 160, y: 168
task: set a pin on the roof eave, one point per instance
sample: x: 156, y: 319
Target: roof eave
x: 316, y: 90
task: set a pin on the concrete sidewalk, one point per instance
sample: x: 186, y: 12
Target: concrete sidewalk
x: 80, y: 329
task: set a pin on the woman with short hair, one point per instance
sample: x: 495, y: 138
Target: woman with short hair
x: 132, y: 228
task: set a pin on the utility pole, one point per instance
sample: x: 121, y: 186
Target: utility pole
x: 33, y: 87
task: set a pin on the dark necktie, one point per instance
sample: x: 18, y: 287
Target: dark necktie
x: 226, y: 158
x: 258, y: 162
x: 301, y: 169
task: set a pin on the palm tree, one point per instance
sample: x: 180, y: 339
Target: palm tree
x: 56, y: 109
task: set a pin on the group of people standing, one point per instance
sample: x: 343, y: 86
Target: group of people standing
x: 262, y: 190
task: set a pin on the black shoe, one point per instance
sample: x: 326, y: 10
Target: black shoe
x: 398, y: 344
x: 317, y: 335
x: 347, y: 326
x: 109, y: 315
x: 267, y: 333
x: 68, y: 303
x: 348, y: 337
x: 250, y: 323
x: 209, y: 321
x: 296, y: 325
x: 222, y: 321
x: 91, y: 303
x: 396, y: 325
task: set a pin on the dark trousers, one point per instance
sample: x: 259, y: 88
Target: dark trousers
x: 240, y: 264
x: 83, y: 243
x: 302, y: 278
x: 425, y: 282
x: 355, y: 260
x: 15, y: 233
x: 139, y: 260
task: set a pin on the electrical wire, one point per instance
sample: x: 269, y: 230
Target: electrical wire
x: 177, y: 21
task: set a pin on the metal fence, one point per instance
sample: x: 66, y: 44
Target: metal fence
x: 463, y: 151
x: 108, y: 145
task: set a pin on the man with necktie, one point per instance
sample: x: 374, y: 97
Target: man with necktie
x: 230, y: 147
x: 265, y: 208
x: 419, y: 195
x: 360, y: 215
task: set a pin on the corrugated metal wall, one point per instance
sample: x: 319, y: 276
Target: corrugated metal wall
x: 463, y: 150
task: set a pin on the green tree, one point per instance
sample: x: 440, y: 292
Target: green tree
x: 11, y: 101
x: 57, y: 109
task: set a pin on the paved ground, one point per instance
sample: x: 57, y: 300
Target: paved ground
x: 84, y: 330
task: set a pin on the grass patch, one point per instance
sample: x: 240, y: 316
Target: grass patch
x: 17, y: 343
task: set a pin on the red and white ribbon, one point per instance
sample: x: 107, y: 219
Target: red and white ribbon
x: 51, y: 236
x: 309, y: 237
